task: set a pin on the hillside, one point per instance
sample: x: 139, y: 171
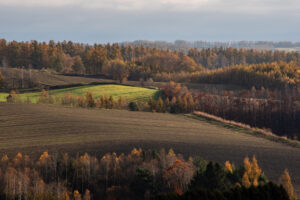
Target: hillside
x: 43, y: 78
x: 33, y: 129
x: 129, y: 93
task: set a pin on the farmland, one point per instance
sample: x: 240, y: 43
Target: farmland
x: 45, y: 78
x: 32, y: 129
x: 130, y: 93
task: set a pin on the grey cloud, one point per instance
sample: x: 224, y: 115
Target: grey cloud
x: 103, y: 25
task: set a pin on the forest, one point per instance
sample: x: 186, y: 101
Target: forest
x: 140, y: 174
x: 140, y: 62
x: 278, y: 111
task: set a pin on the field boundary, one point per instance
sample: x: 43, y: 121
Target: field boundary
x: 242, y: 128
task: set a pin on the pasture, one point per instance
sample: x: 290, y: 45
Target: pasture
x: 34, y: 128
x: 130, y: 93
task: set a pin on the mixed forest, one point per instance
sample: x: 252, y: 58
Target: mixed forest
x: 137, y: 175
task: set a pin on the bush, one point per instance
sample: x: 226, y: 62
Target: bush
x: 90, y: 101
x: 13, y: 97
x: 133, y: 106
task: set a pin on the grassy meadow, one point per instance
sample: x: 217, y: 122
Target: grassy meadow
x: 129, y: 93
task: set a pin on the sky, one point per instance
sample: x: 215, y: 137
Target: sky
x: 102, y: 21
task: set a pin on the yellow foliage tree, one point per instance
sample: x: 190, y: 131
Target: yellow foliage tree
x: 66, y: 196
x: 252, y: 170
x: 4, y: 158
x: 76, y: 195
x: 255, y: 170
x: 136, y: 152
x: 45, y: 155
x: 228, y: 167
x: 245, y: 180
x: 286, y: 182
x: 247, y: 164
x: 19, y: 155
x: 171, y: 152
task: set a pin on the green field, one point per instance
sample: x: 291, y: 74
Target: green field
x: 130, y: 93
x: 3, y: 97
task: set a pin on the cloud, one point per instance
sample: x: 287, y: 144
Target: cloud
x: 260, y: 6
x: 111, y: 4
x: 119, y: 20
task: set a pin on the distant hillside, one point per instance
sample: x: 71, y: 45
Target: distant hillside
x: 183, y: 45
x: 15, y: 78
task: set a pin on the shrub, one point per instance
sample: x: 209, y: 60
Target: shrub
x: 133, y: 106
x: 13, y: 97
x: 90, y: 102
x: 45, y: 97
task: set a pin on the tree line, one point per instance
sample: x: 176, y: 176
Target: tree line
x: 183, y: 45
x: 134, y: 62
x: 137, y: 175
x: 268, y: 75
x: 278, y: 111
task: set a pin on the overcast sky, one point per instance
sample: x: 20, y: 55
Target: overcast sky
x: 126, y: 20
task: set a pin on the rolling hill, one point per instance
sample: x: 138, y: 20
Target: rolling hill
x: 34, y: 128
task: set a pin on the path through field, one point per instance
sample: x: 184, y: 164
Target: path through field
x: 34, y: 128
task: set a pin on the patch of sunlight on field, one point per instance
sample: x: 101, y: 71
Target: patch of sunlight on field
x: 3, y: 97
x: 128, y: 92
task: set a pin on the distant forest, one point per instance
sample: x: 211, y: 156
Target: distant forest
x: 183, y: 45
x: 122, y: 62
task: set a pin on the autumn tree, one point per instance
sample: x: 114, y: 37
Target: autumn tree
x: 228, y: 167
x: 78, y: 65
x: 253, y: 174
x: 285, y: 180
x: 136, y: 175
x: 179, y: 175
x: 118, y: 70
x: 90, y: 101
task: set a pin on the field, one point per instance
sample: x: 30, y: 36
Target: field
x: 130, y: 93
x: 47, y: 78
x: 34, y: 128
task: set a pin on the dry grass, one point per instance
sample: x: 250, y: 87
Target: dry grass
x: 248, y: 129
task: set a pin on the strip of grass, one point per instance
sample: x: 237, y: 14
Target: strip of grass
x: 3, y: 97
x: 130, y: 93
x: 243, y: 130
